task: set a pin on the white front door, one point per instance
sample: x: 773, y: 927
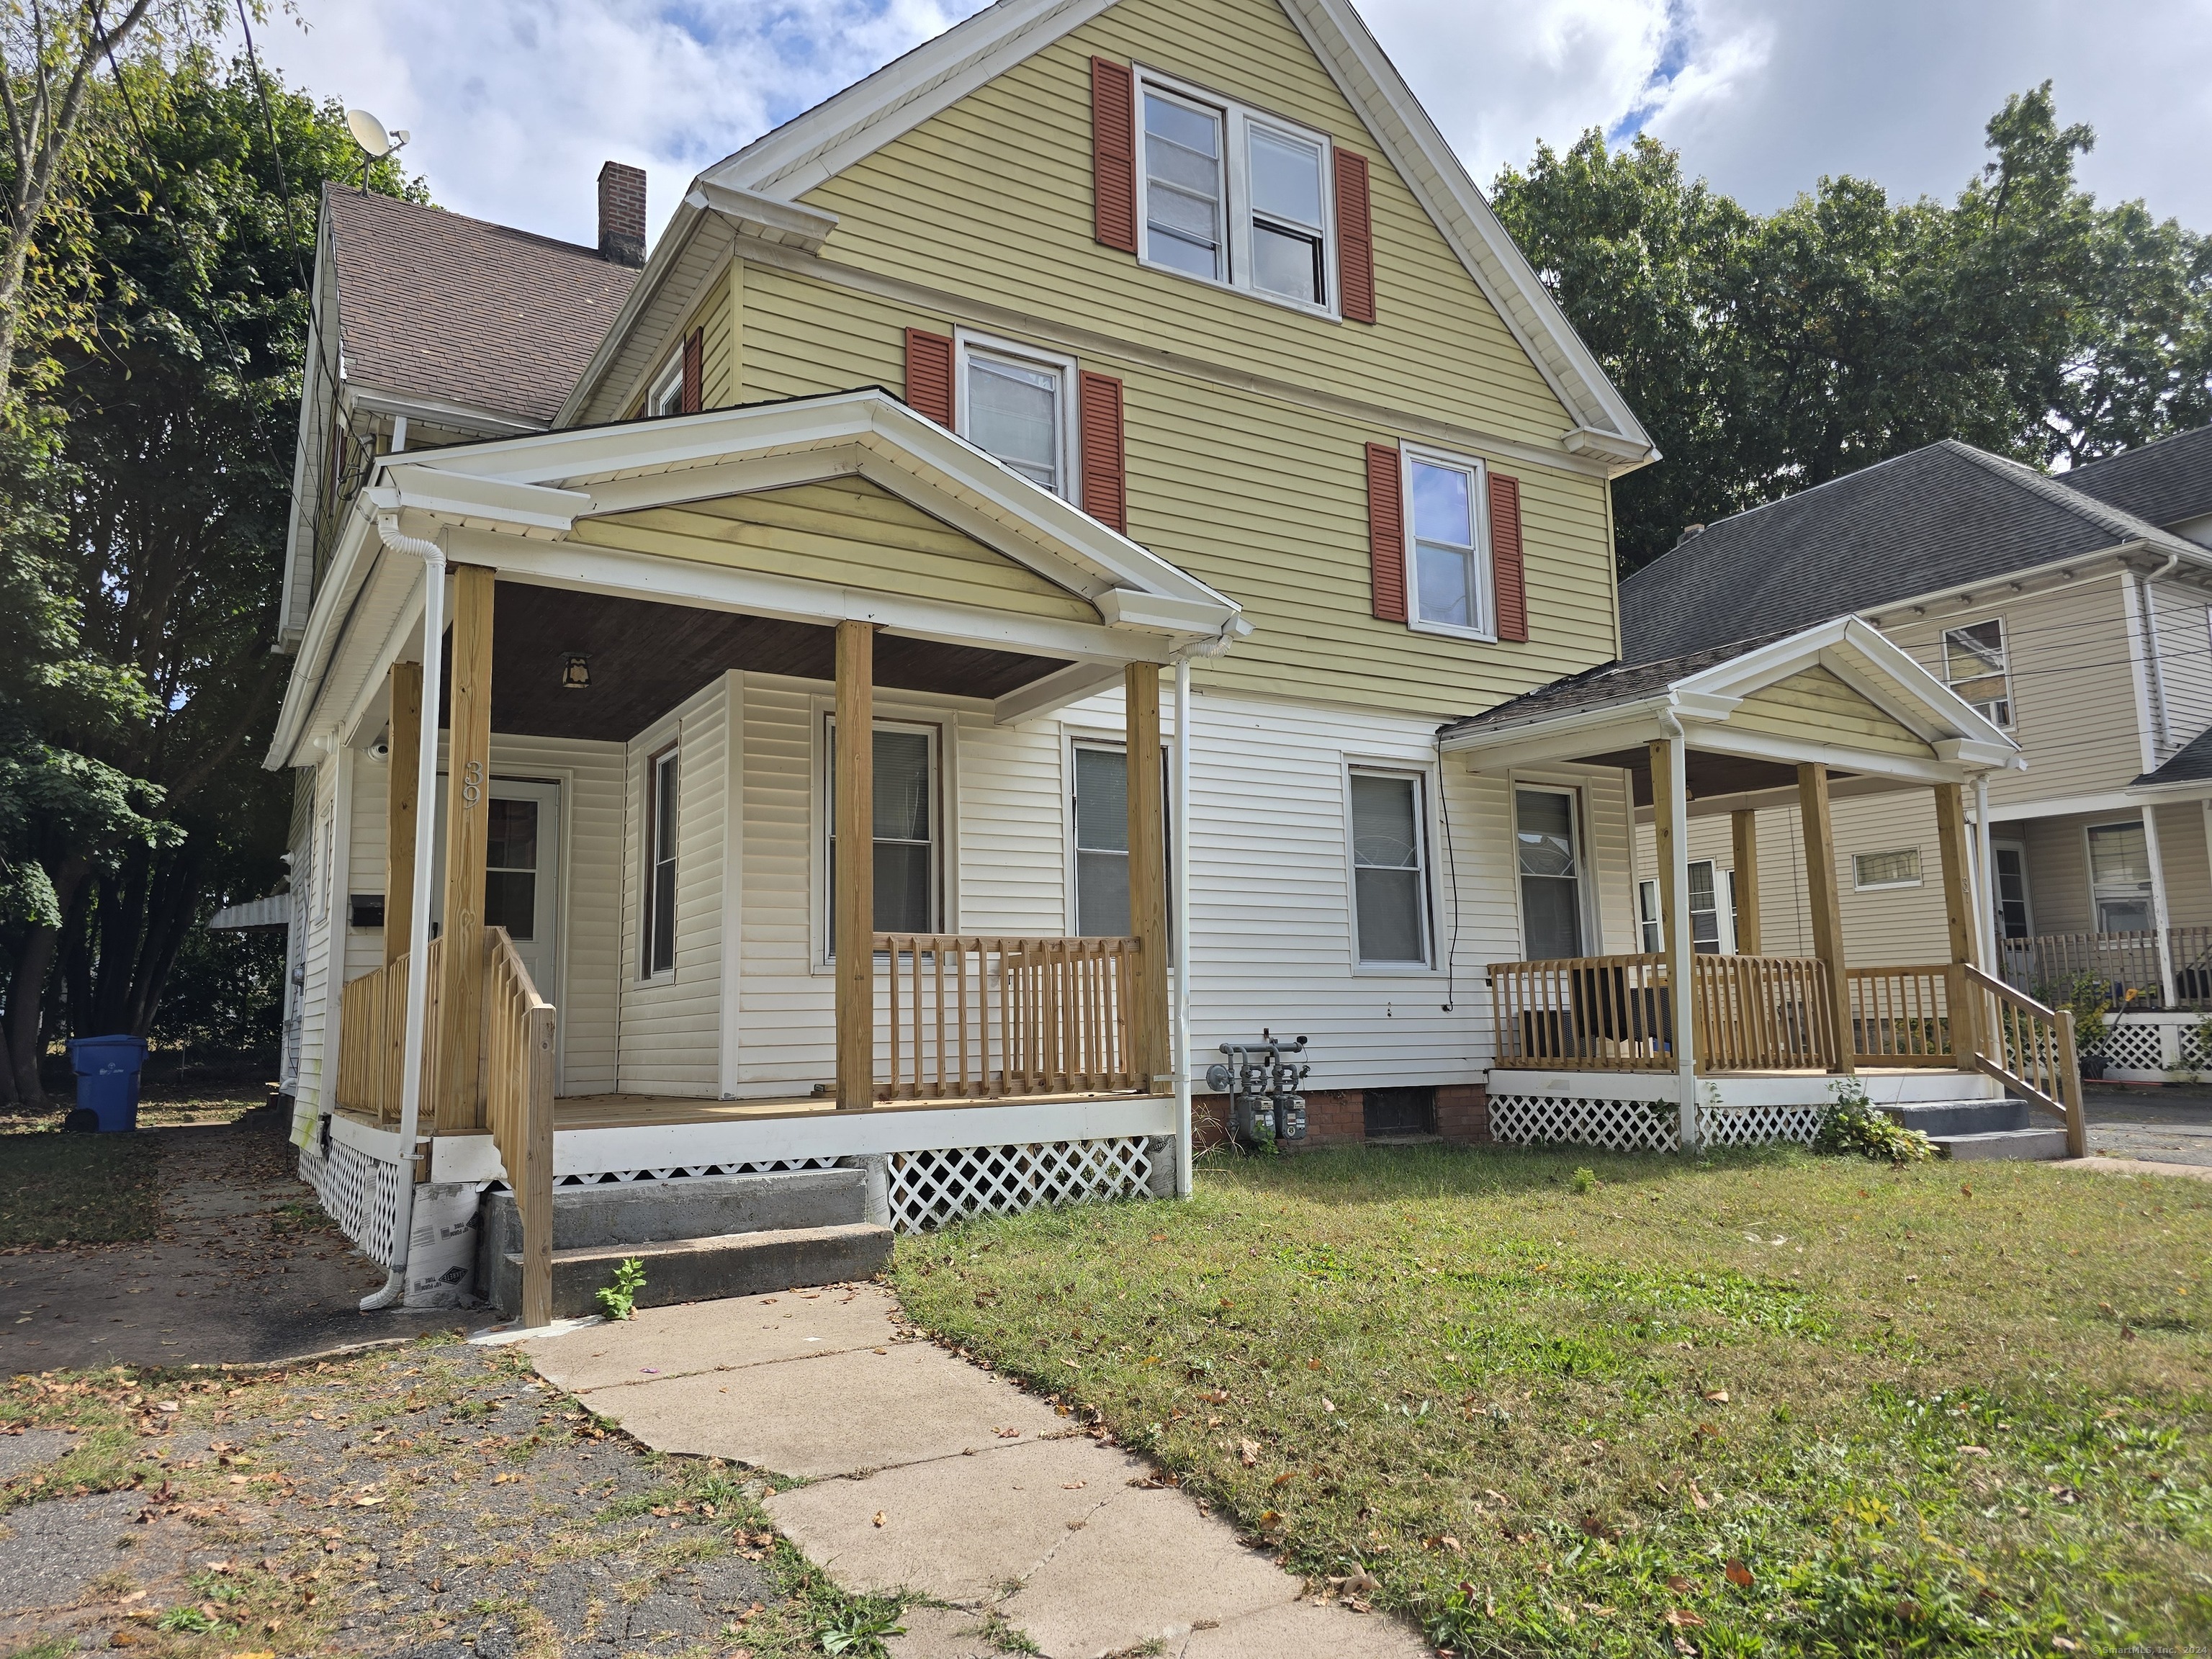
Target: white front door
x: 522, y: 873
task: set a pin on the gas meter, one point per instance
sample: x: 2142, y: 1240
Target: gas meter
x: 1262, y: 1080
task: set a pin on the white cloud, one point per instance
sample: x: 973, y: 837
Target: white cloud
x: 514, y: 104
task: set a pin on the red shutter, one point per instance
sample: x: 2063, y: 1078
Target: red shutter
x: 1355, y: 239
x: 1105, y: 477
x: 1386, y: 532
x: 1114, y: 154
x: 929, y: 375
x: 694, y: 370
x: 1508, y: 576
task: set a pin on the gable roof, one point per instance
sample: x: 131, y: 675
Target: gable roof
x: 440, y: 305
x: 784, y: 164
x: 2167, y: 482
x: 2191, y: 763
x: 1937, y: 518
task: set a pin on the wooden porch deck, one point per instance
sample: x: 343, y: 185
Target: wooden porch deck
x: 641, y: 1111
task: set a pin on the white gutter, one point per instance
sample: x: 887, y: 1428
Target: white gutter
x: 418, y: 930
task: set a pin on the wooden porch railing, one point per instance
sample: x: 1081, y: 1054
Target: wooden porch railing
x: 2049, y: 963
x: 980, y: 1016
x: 1903, y: 1016
x: 373, y: 1039
x: 1584, y: 1013
x: 1762, y: 1013
x: 519, y: 1033
x: 2030, y: 1049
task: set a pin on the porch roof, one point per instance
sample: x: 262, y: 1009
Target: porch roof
x: 1840, y: 693
x: 539, y: 510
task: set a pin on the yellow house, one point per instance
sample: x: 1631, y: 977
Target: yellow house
x: 1135, y: 420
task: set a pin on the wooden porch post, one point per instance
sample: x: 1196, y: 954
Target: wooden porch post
x: 1148, y: 1024
x: 1826, y: 905
x: 1959, y: 918
x: 1670, y: 819
x: 406, y: 739
x: 1743, y: 830
x: 459, y: 1108
x: 856, y: 874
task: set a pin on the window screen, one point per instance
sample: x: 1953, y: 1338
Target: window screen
x: 1389, y: 882
x: 1014, y: 414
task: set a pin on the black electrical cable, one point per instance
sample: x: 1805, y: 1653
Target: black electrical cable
x: 1451, y: 865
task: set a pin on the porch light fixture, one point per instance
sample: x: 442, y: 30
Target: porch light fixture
x: 576, y: 672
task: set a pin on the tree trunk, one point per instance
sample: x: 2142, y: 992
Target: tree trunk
x: 26, y: 994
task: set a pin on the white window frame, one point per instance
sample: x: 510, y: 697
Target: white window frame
x: 2107, y: 894
x: 667, y: 387
x: 967, y: 343
x: 1859, y: 886
x: 1953, y: 682
x: 1650, y: 916
x: 942, y: 904
x: 1238, y: 121
x: 1485, y: 575
x: 670, y: 754
x: 1425, y: 794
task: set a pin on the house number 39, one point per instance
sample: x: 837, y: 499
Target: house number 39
x: 471, y: 783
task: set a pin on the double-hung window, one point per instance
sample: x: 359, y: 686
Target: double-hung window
x: 1019, y: 406
x: 1445, y: 544
x: 1389, y: 870
x: 1234, y: 197
x: 2119, y: 877
x: 1102, y: 838
x: 906, y: 823
x: 1550, y: 874
x: 660, y: 840
x: 1975, y: 666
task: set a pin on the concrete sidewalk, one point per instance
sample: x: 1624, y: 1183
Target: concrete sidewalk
x: 923, y: 1474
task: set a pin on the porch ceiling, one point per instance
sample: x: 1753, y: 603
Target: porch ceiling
x: 1704, y: 774
x: 646, y: 658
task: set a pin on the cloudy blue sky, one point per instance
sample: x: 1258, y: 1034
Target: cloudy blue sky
x: 512, y: 104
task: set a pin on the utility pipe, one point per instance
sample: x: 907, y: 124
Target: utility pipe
x: 418, y: 931
x: 1179, y: 811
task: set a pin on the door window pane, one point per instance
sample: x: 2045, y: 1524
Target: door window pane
x: 2012, y: 892
x: 1550, y: 877
x: 1182, y: 188
x: 1389, y: 885
x: 1102, y: 843
x: 1013, y: 413
x: 660, y: 912
x: 1445, y: 577
x: 511, y: 867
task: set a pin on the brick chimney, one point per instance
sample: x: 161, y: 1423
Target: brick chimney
x: 621, y: 214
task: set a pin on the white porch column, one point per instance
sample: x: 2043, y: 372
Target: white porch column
x: 1985, y: 863
x: 2159, y: 921
x: 1670, y: 802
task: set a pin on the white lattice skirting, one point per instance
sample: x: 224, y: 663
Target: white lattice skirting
x: 1623, y: 1125
x: 1760, y: 1125
x: 2135, y: 1047
x: 930, y: 1189
x: 358, y: 1192
x: 677, y: 1172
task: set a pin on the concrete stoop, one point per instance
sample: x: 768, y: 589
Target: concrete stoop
x: 1971, y: 1130
x: 699, y: 1237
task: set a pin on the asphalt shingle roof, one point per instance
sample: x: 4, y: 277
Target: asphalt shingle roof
x: 1604, y: 686
x: 1937, y: 518
x: 2167, y: 482
x: 2191, y: 763
x: 441, y: 305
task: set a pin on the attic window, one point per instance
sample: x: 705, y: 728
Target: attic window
x: 1975, y: 665
x: 666, y: 397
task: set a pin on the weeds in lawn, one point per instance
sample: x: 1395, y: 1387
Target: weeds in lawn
x: 861, y: 1628
x: 1765, y: 1403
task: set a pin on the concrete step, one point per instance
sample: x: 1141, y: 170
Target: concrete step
x: 1962, y: 1117
x: 2002, y: 1144
x: 692, y: 1207
x: 705, y: 1269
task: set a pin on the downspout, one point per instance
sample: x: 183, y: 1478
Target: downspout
x: 1179, y: 811
x: 418, y: 932
x: 1985, y: 856
x: 2154, y: 658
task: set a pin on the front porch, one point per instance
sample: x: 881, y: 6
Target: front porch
x: 1682, y: 1046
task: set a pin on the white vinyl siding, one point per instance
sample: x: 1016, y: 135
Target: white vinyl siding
x: 1389, y: 869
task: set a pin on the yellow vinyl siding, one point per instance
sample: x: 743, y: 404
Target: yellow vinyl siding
x: 1265, y: 500
x: 845, y: 532
x: 991, y: 198
x: 1815, y: 704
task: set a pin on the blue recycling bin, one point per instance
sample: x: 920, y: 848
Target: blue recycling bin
x: 107, y: 1070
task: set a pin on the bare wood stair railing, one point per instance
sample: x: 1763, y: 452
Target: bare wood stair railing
x: 1905, y: 1016
x: 373, y: 1040
x: 519, y: 1032
x: 981, y: 1016
x: 2030, y: 1049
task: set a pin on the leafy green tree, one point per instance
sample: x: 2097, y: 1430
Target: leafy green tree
x: 1769, y: 354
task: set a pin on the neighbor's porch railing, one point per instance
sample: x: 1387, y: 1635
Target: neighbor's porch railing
x: 2049, y: 963
x: 981, y: 1016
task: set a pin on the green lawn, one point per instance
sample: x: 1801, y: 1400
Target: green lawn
x: 1768, y: 1404
x: 59, y: 1188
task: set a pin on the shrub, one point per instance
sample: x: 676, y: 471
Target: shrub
x: 1851, y: 1126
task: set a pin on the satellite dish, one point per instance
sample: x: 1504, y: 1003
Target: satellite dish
x: 368, y: 132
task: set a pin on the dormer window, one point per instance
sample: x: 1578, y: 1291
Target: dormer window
x: 1232, y: 196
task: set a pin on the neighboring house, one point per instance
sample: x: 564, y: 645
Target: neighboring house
x: 2073, y: 611
x: 1090, y: 347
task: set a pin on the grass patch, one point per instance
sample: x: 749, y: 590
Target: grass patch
x: 76, y: 1189
x: 1767, y: 1403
